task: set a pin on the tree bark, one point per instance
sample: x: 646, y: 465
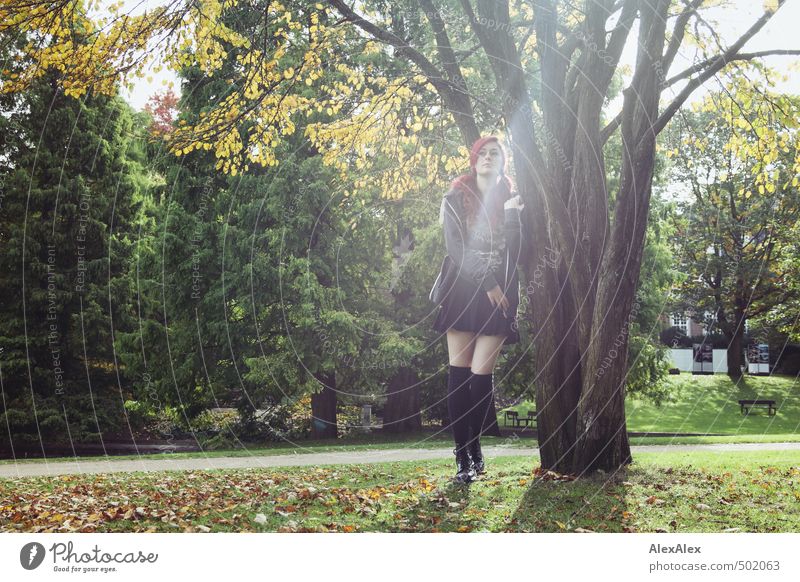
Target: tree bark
x: 323, y: 408
x: 735, y: 346
x: 402, y: 411
x: 736, y: 337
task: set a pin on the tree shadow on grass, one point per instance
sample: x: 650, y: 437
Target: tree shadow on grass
x: 560, y: 503
x: 550, y: 503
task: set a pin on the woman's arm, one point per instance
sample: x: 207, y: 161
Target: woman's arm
x: 470, y: 265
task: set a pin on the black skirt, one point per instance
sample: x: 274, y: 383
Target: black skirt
x: 467, y: 308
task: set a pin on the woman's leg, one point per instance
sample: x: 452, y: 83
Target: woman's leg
x: 487, y: 349
x: 460, y: 346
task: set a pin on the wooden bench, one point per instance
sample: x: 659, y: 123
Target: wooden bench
x: 529, y: 420
x: 518, y: 422
x: 745, y: 405
x: 512, y: 416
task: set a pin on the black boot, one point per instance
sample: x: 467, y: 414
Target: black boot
x: 465, y: 471
x: 481, y: 390
x: 476, y: 455
x: 458, y: 406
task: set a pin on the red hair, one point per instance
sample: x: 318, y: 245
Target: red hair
x: 471, y: 194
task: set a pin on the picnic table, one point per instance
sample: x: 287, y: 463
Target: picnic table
x: 745, y: 405
x: 513, y: 417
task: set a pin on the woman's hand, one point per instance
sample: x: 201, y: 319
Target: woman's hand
x: 515, y: 202
x: 496, y: 297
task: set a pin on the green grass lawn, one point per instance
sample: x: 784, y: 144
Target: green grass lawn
x: 673, y: 492
x: 709, y: 404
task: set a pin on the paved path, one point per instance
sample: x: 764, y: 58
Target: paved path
x: 32, y: 469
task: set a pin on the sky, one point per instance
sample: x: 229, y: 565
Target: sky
x: 779, y: 33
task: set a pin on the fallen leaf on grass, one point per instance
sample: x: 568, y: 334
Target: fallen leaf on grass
x: 289, y: 527
x: 547, y: 475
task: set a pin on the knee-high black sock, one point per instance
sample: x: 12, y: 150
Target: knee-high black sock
x: 481, y: 395
x: 459, y: 403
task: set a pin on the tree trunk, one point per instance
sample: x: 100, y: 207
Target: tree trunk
x: 402, y: 411
x: 323, y: 408
x: 735, y: 347
x: 558, y: 365
x: 548, y: 291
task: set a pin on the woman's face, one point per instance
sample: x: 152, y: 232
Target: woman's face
x: 490, y: 160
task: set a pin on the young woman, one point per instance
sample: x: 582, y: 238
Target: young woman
x: 483, y: 236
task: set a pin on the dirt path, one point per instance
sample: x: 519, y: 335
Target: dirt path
x: 110, y: 465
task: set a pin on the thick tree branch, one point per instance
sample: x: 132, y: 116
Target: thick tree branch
x: 678, y: 32
x: 484, y: 38
x: 553, y: 68
x: 497, y: 42
x: 739, y: 57
x: 443, y: 45
x: 715, y: 64
x: 595, y: 46
x: 433, y: 74
x: 609, y: 129
x: 571, y: 43
x: 619, y: 36
x: 452, y: 90
x: 788, y: 295
x: 461, y: 100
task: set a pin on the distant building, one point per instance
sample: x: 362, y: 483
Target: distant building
x: 685, y: 359
x: 691, y: 326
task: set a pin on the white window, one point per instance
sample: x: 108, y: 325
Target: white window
x: 680, y: 320
x: 708, y: 322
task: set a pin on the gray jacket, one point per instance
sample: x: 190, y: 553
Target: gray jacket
x: 483, y: 257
